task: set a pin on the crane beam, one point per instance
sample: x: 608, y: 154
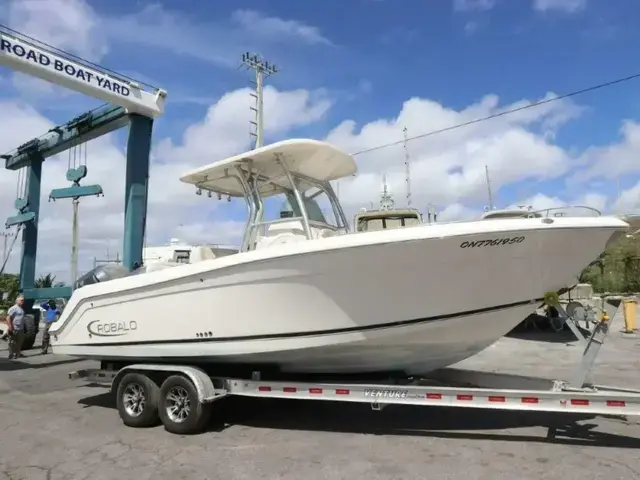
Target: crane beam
x: 60, y: 69
x: 129, y: 104
x: 79, y: 130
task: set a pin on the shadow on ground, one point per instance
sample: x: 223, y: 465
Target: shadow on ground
x: 543, y: 332
x: 436, y: 422
x: 7, y: 365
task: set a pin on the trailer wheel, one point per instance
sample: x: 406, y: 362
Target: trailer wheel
x: 30, y: 332
x: 137, y: 401
x: 180, y: 410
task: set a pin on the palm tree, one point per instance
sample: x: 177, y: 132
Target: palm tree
x: 47, y: 281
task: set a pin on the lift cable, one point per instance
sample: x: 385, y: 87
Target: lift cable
x: 80, y: 60
x: 70, y: 157
x: 19, y: 184
x: 13, y: 242
x: 503, y: 113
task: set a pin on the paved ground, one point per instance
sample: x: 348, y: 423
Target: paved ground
x: 53, y: 428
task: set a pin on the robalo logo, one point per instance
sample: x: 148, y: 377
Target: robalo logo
x: 111, y: 329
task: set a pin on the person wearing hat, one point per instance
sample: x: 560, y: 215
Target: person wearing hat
x: 50, y: 314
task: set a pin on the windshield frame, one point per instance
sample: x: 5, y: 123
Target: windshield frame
x: 251, y: 181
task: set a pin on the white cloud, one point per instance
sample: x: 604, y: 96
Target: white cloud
x: 450, y: 167
x: 471, y: 27
x: 471, y: 5
x: 568, y: 6
x: 226, y: 124
x: 629, y: 200
x: 70, y: 25
x: 611, y: 161
x: 219, y: 42
x: 278, y: 28
x: 457, y: 212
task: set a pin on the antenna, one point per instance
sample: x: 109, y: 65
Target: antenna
x: 386, y: 199
x: 407, y: 166
x: 263, y: 69
x: 486, y: 172
x: 432, y: 213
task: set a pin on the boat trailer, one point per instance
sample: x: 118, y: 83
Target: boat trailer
x: 182, y: 396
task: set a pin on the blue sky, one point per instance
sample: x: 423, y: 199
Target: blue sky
x: 398, y: 49
x: 382, y: 65
x: 411, y: 48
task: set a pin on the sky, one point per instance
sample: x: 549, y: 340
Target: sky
x: 354, y: 73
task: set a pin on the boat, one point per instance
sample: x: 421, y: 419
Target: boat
x: 305, y: 294
x: 631, y: 219
x: 374, y: 220
x: 515, y: 212
x: 386, y: 216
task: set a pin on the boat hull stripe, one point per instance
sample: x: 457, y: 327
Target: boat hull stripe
x: 314, y: 333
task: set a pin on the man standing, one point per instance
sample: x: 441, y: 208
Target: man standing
x: 5, y: 333
x: 15, y: 327
x: 50, y: 315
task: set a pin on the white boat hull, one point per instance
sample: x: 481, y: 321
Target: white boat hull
x: 413, y: 299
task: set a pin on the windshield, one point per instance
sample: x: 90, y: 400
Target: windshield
x: 317, y: 204
x: 383, y: 222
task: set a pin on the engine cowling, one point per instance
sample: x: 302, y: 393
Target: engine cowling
x: 101, y: 274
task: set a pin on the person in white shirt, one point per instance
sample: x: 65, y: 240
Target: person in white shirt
x: 15, y: 328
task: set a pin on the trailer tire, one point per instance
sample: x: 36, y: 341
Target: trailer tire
x: 181, y: 411
x: 137, y: 400
x: 30, y: 332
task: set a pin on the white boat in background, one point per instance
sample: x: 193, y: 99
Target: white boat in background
x: 304, y: 294
x: 375, y: 220
x: 386, y: 216
x: 521, y: 211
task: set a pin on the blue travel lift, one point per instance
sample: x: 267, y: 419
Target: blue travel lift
x: 82, y: 129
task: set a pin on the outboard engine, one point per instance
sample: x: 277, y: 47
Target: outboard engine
x: 101, y: 274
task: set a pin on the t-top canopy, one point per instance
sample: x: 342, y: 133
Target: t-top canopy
x: 316, y: 160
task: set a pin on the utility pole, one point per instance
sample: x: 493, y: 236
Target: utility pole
x: 432, y: 213
x: 407, y: 166
x: 97, y: 260
x: 262, y: 69
x: 5, y: 240
x: 74, y: 241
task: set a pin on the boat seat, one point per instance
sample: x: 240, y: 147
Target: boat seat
x: 200, y: 254
x: 288, y: 232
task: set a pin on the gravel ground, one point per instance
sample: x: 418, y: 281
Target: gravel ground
x: 54, y: 428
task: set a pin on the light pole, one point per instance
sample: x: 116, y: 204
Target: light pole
x: 263, y: 69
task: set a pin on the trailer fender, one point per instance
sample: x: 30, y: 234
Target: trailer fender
x: 207, y: 392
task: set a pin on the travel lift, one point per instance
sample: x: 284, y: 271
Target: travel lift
x: 129, y: 104
x: 182, y: 396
